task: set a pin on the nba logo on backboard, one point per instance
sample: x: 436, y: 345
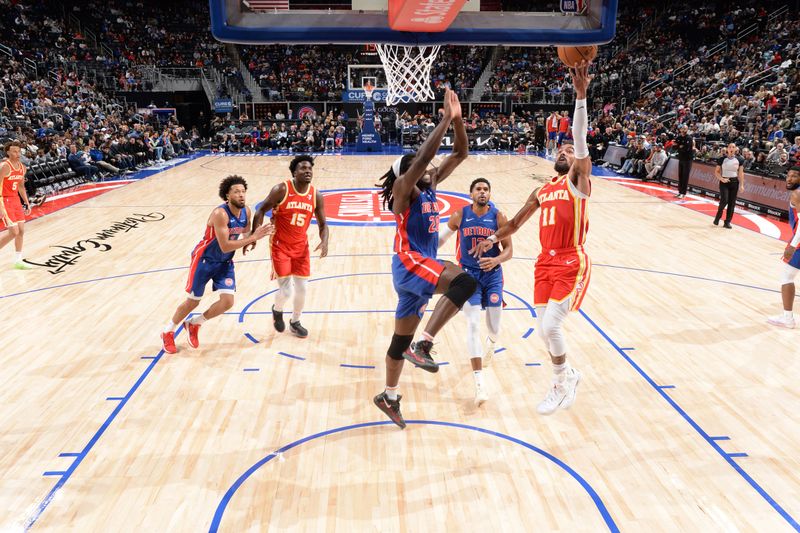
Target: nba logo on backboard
x: 573, y: 7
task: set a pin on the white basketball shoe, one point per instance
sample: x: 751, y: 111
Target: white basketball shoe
x: 489, y: 354
x: 561, y: 393
x: 782, y: 321
x: 481, y: 396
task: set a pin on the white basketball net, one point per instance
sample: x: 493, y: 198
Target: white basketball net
x: 408, y: 72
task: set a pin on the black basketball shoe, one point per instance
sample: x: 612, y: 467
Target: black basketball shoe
x: 391, y: 408
x: 277, y: 320
x: 298, y: 329
x: 420, y: 355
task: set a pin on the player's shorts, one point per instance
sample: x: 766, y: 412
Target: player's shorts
x: 13, y: 210
x: 561, y: 274
x: 490, y: 287
x: 415, y: 278
x: 202, y: 271
x: 552, y: 135
x: 795, y: 260
x: 288, y: 262
x: 561, y: 136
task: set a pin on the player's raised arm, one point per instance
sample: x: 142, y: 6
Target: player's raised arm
x: 319, y: 214
x: 507, y: 248
x: 403, y: 185
x: 581, y: 170
x: 522, y: 216
x: 460, y: 147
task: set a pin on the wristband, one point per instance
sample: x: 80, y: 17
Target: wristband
x: 492, y: 238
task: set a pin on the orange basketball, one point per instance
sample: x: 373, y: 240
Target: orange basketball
x: 572, y: 55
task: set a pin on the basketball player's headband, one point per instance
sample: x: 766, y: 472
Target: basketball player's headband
x: 396, y: 166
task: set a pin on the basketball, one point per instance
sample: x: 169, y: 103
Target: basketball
x: 572, y: 55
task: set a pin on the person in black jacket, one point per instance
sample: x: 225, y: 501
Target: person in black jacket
x: 684, y: 144
x: 730, y: 173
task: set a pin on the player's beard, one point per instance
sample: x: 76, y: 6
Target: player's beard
x: 482, y: 202
x: 793, y: 186
x: 237, y: 204
x: 561, y: 167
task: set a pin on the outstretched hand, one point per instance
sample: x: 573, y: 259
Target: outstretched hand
x: 581, y: 78
x: 455, y: 105
x: 481, y: 248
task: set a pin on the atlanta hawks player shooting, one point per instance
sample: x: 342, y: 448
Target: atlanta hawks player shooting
x: 562, y: 268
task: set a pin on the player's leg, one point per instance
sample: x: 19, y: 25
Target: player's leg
x: 565, y: 379
x: 282, y: 272
x: 301, y: 270
x: 456, y: 286
x: 788, y: 276
x: 9, y: 235
x: 199, y: 276
x: 472, y: 311
x: 408, y: 315
x: 18, y: 238
x: 493, y: 303
x: 225, y: 284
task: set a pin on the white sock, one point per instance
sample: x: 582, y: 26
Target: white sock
x: 426, y: 336
x: 559, y: 370
x: 198, y: 319
x: 478, y: 375
x: 18, y: 257
x: 391, y: 393
x: 170, y: 327
x: 787, y: 314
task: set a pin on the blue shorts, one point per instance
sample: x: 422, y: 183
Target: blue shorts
x: 415, y: 278
x: 795, y: 260
x: 490, y: 287
x: 561, y: 136
x: 552, y: 135
x: 201, y: 272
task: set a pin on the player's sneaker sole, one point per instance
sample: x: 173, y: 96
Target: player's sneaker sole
x: 420, y: 361
x: 383, y: 403
x: 781, y: 323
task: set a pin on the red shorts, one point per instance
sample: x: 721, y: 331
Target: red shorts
x: 13, y: 210
x: 291, y: 262
x: 561, y: 274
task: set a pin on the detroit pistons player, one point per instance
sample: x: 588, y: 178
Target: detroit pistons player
x: 12, y: 212
x: 293, y: 203
x: 409, y: 190
x: 471, y: 225
x: 212, y: 259
x: 562, y: 268
x: 791, y: 254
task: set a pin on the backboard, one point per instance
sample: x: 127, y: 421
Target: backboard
x: 512, y: 23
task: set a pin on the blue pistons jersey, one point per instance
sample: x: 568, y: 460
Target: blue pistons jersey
x: 418, y: 226
x: 474, y: 229
x: 208, y: 248
x: 793, y: 222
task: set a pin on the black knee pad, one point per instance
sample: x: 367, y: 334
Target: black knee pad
x: 461, y: 288
x: 400, y: 344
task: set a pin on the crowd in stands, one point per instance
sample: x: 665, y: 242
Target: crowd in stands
x: 71, y: 131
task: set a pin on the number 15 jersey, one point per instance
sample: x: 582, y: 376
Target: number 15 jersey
x: 292, y: 217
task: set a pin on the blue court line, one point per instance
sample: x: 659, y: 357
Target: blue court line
x: 53, y: 473
x: 666, y: 386
x: 68, y: 454
x: 115, y: 398
x: 92, y: 441
x: 533, y: 364
x: 160, y: 270
x: 721, y: 437
x: 443, y: 363
x: 292, y: 356
x: 738, y: 454
x: 250, y: 369
x: 226, y: 498
x: 527, y: 333
x: 356, y: 366
x: 760, y: 490
x: 500, y: 350
x: 627, y: 349
x: 148, y: 357
x: 252, y: 339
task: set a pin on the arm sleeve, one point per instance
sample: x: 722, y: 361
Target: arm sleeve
x: 579, y: 128
x: 444, y: 234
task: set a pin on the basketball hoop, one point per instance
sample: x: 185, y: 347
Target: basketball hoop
x: 408, y: 72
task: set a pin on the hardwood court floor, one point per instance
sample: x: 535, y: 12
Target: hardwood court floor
x: 681, y: 374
